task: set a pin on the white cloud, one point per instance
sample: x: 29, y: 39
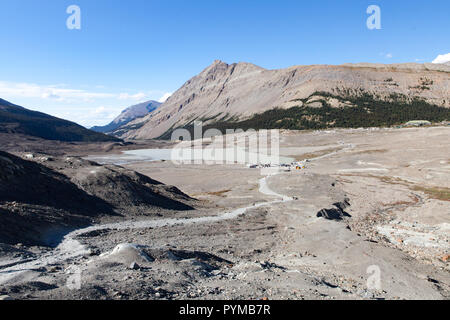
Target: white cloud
x: 99, y: 110
x: 95, y: 106
x: 50, y: 95
x: 442, y: 58
x: 90, y: 116
x: 386, y: 55
x: 29, y: 90
x: 137, y: 97
x: 102, y: 113
x: 165, y: 97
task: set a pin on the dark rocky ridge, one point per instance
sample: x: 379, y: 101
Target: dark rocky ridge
x: 37, y: 200
x: 18, y: 120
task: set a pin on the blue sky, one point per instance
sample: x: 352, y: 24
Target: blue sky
x: 135, y: 50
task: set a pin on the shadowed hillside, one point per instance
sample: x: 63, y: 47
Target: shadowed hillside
x: 18, y: 120
x: 38, y: 201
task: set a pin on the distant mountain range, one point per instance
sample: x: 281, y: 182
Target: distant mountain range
x: 127, y: 115
x: 301, y: 97
x: 18, y: 120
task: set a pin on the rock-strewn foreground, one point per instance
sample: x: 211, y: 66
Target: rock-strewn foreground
x: 233, y: 92
x: 370, y: 200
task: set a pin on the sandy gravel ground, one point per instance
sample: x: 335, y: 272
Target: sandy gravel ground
x: 391, y: 243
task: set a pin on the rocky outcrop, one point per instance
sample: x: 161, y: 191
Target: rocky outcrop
x: 337, y: 212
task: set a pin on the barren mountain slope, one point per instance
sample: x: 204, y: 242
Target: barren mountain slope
x: 238, y: 91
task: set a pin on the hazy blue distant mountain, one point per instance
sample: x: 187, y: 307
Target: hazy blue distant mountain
x: 129, y: 114
x: 16, y: 119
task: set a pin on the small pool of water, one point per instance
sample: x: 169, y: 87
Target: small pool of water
x: 186, y: 155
